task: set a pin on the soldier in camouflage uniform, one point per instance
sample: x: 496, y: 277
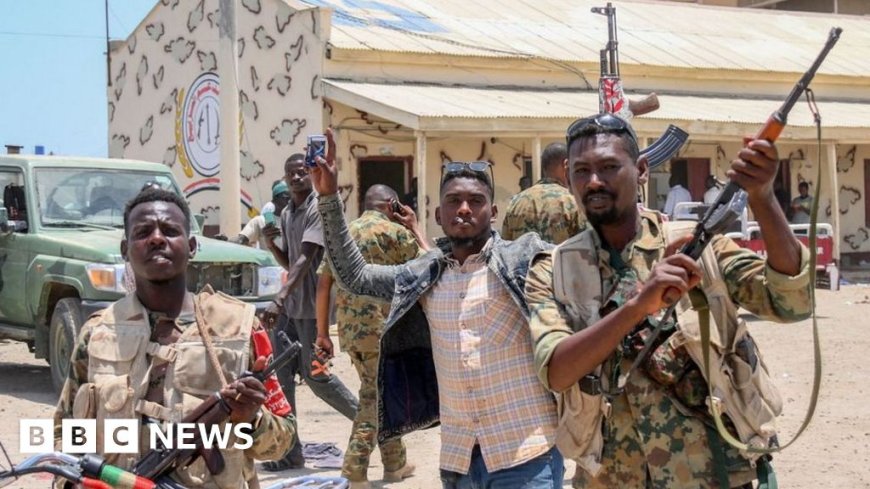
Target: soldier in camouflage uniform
x: 143, y: 357
x: 547, y: 207
x: 656, y: 435
x: 360, y: 320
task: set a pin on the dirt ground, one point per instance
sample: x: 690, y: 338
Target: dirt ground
x: 833, y: 452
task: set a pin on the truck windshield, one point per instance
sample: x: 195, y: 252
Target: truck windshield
x: 91, y: 198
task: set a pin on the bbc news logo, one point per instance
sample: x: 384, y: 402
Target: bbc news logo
x: 122, y: 436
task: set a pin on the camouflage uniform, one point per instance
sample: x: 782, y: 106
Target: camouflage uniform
x: 360, y: 321
x: 654, y: 435
x: 113, y: 346
x: 547, y: 208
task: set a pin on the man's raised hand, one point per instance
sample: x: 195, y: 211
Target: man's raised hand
x: 755, y: 169
x: 669, y: 279
x: 324, y: 177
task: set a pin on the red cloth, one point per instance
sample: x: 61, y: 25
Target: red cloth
x: 276, y: 403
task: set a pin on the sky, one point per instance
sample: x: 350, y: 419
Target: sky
x: 53, y: 71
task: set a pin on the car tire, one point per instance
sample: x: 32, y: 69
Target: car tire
x: 66, y: 321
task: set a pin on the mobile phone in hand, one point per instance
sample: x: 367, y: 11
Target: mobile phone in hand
x: 316, y: 147
x: 397, y: 207
x: 270, y: 218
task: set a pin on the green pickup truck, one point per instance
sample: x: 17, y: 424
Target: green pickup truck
x: 61, y: 224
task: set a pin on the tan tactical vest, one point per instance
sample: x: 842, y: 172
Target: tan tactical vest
x: 118, y: 375
x: 746, y: 395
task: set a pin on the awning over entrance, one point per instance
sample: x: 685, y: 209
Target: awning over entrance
x: 457, y: 110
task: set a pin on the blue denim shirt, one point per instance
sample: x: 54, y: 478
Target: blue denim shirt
x: 407, y: 385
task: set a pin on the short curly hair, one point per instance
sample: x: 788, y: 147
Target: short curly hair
x: 471, y: 175
x: 154, y: 194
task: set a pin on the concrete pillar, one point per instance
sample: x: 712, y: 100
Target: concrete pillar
x: 348, y: 172
x: 230, y: 172
x: 536, y: 159
x: 420, y: 173
x: 831, y: 160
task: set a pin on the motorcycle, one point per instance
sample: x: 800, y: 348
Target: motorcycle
x: 92, y: 472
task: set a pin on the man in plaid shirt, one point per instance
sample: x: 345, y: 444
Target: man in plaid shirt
x: 459, y: 310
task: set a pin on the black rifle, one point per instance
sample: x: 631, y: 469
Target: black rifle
x: 213, y: 410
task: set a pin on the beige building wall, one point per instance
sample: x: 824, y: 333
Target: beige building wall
x: 281, y: 52
x: 283, y: 57
x: 851, y: 219
x: 361, y: 135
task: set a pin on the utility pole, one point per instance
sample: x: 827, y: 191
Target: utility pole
x: 230, y: 172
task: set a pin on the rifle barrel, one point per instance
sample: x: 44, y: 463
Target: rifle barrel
x: 804, y: 82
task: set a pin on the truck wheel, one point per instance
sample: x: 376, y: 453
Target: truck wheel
x: 65, y: 322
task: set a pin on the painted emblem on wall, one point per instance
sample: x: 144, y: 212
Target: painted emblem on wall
x: 200, y: 124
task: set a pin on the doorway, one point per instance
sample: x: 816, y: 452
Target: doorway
x: 866, y: 197
x: 692, y: 171
x: 392, y: 171
x: 695, y: 171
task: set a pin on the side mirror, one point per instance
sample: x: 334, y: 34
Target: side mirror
x: 200, y: 220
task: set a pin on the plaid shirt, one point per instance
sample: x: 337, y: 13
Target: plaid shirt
x: 489, y: 391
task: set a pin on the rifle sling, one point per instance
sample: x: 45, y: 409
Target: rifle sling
x: 704, y: 319
x: 206, y: 340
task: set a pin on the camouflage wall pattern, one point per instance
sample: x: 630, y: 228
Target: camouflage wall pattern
x: 153, y: 115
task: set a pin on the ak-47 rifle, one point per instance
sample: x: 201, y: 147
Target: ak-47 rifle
x: 732, y: 200
x: 213, y: 410
x: 611, y: 97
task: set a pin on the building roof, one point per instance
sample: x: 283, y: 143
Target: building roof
x: 466, y: 109
x: 650, y: 33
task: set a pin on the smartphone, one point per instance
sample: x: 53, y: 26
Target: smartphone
x: 397, y: 208
x: 316, y: 147
x: 270, y: 218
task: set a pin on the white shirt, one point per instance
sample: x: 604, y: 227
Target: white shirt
x: 676, y: 195
x: 253, y: 230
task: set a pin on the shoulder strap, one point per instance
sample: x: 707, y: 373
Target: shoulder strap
x: 206, y: 339
x: 704, y: 320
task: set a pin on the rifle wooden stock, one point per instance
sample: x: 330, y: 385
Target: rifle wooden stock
x: 772, y: 128
x: 645, y: 105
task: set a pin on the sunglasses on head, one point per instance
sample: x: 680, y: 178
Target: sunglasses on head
x: 605, y: 123
x: 484, y: 167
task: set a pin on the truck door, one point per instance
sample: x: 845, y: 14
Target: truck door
x: 14, y: 247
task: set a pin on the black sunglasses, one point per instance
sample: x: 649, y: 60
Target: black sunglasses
x: 484, y: 167
x: 602, y: 123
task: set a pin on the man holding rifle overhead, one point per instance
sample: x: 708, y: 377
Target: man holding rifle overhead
x: 595, y: 299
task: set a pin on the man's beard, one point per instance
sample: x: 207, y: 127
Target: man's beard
x: 604, y: 219
x: 610, y: 216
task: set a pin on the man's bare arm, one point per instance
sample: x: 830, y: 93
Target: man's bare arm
x: 324, y: 293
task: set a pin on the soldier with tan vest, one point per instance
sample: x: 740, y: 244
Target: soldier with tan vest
x: 594, y: 297
x: 157, y: 353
